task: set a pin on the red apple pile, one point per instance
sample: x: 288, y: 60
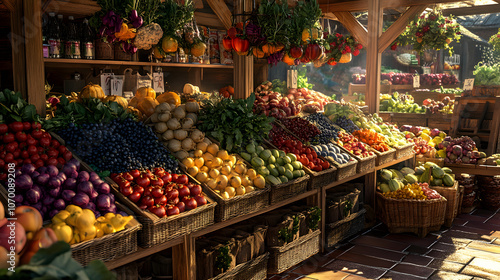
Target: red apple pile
x: 272, y: 104
x: 351, y: 143
x: 421, y: 146
x: 160, y: 192
x: 311, y: 101
x: 301, y: 128
x: 438, y: 79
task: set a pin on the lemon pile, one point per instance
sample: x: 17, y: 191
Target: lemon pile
x: 410, y: 191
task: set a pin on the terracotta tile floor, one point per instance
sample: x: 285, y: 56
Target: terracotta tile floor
x: 469, y: 250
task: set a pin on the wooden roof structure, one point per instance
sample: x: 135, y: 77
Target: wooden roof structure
x: 371, y: 36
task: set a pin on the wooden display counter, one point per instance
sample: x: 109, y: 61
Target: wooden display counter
x: 439, y: 121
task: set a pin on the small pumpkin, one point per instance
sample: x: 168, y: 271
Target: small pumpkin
x: 133, y: 102
x: 147, y: 106
x: 345, y: 58
x: 118, y: 99
x: 91, y: 90
x: 198, y: 49
x: 169, y: 97
x: 145, y: 92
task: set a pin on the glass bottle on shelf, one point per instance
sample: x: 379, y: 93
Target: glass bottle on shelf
x: 72, y: 40
x: 45, y: 41
x: 54, y: 37
x: 62, y: 34
x: 87, y: 41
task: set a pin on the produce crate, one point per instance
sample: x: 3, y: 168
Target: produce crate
x: 403, y: 151
x: 484, y: 91
x: 345, y: 228
x: 345, y: 170
x: 438, y: 161
x: 318, y: 179
x: 286, y: 256
x: 255, y: 269
x: 365, y: 164
x: 384, y: 157
x: 157, y: 230
x: 110, y: 246
x: 452, y: 195
x: 409, y: 215
x: 290, y: 189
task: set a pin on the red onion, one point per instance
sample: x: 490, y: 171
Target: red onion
x: 52, y: 170
x: 33, y: 196
x: 81, y: 199
x: 103, y: 202
x: 54, y: 183
x: 23, y: 182
x: 68, y: 195
x: 59, y: 204
x: 28, y: 168
x: 52, y: 213
x: 48, y: 200
x: 55, y: 192
x: 70, y: 184
x: 43, y: 179
x: 83, y: 176
x: 18, y: 198
x: 75, y: 162
x: 85, y: 187
x: 103, y: 188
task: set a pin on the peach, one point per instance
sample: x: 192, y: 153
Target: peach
x: 8, y: 234
x: 44, y: 238
x: 5, y: 258
x: 29, y: 217
x: 2, y: 211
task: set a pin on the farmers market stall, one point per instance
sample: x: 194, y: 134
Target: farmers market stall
x: 239, y: 183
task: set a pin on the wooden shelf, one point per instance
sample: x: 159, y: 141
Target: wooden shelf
x: 64, y: 62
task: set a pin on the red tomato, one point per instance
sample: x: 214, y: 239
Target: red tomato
x: 162, y: 200
x: 157, y: 192
x: 9, y: 137
x: 3, y: 128
x: 200, y: 200
x: 31, y: 141
x: 142, y: 181
x: 325, y: 165
x: 296, y: 52
x: 240, y: 45
x: 228, y: 43
x: 158, y: 210
x: 39, y: 163
x: 310, y: 157
x: 182, y: 206
x: 126, y: 191
x: 173, y: 210
x: 44, y: 142
x: 139, y: 189
x: 36, y: 125
x: 135, y: 173
x: 167, y: 178
x: 135, y: 197
x: 62, y: 149
x: 17, y: 153
x: 34, y: 157
x: 304, y: 161
x: 26, y: 126
x: 37, y: 134
x: 12, y: 146
x: 26, y: 161
x: 9, y: 157
x: 44, y: 157
x: 21, y: 136
x: 25, y: 154
x: 231, y: 32
x: 67, y: 156
x: 16, y: 126
x: 52, y: 152
x: 52, y: 161
x: 54, y: 144
x: 23, y: 145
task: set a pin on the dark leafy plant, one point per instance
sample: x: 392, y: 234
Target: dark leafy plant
x: 14, y: 108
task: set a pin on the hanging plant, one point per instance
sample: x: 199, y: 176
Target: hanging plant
x: 430, y: 31
x: 194, y: 41
x: 274, y: 18
x: 495, y: 42
x: 342, y: 48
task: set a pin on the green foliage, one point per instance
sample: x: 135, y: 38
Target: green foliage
x: 486, y: 75
x: 14, y: 108
x: 302, y: 81
x: 275, y: 21
x: 91, y: 110
x: 287, y: 235
x: 233, y: 123
x: 55, y: 263
x: 173, y: 16
x: 223, y: 260
x: 279, y: 86
x: 305, y: 15
x: 314, y: 218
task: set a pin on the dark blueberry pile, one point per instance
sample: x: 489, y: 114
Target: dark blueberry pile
x: 346, y: 124
x: 328, y: 131
x: 118, y: 146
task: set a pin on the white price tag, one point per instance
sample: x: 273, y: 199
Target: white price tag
x: 468, y: 84
x: 416, y: 81
x: 106, y: 82
x: 117, y: 85
x: 291, y: 79
x: 158, y: 84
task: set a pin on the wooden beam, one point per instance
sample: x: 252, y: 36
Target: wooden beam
x: 209, y: 20
x: 18, y: 51
x: 398, y: 27
x: 354, y: 26
x: 476, y: 10
x: 10, y: 4
x: 373, y: 56
x: 243, y: 64
x: 222, y: 11
x: 34, y: 51
x: 333, y: 17
x: 77, y: 8
x: 362, y: 5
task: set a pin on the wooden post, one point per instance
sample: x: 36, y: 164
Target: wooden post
x: 18, y: 51
x: 184, y: 259
x: 373, y: 56
x: 35, y: 72
x: 243, y: 64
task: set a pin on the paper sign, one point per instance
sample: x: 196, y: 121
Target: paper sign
x: 468, y: 84
x: 158, y: 84
x: 144, y: 81
x: 416, y: 81
x: 291, y: 78
x: 106, y: 82
x: 117, y: 85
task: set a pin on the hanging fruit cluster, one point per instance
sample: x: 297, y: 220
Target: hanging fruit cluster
x: 294, y: 36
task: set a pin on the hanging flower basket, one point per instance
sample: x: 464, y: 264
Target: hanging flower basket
x: 345, y: 58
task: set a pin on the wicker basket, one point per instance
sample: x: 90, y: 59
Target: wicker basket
x: 345, y: 228
x: 404, y: 151
x: 438, y: 161
x: 256, y: 269
x: 384, y: 157
x: 452, y: 195
x: 365, y: 164
x: 109, y: 247
x: 290, y: 189
x: 346, y: 170
x: 286, y: 256
x: 486, y: 91
x: 408, y: 215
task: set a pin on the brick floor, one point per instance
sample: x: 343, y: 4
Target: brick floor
x: 469, y: 250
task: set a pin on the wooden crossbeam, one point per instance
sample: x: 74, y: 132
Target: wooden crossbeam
x: 209, y: 20
x: 362, y: 5
x: 354, y: 26
x: 222, y: 11
x: 398, y: 26
x: 9, y: 4
x: 475, y: 10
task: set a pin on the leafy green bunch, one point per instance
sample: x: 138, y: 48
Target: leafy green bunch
x: 495, y: 42
x: 274, y: 19
x: 90, y: 110
x: 486, y: 75
x: 13, y: 108
x: 233, y: 123
x: 305, y: 15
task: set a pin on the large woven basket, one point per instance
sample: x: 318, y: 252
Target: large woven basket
x: 452, y: 195
x: 409, y: 215
x: 365, y: 164
x: 110, y: 246
x: 286, y: 256
x: 255, y: 269
x: 403, y: 151
x: 290, y: 189
x: 346, y: 170
x: 384, y: 157
x: 345, y: 228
